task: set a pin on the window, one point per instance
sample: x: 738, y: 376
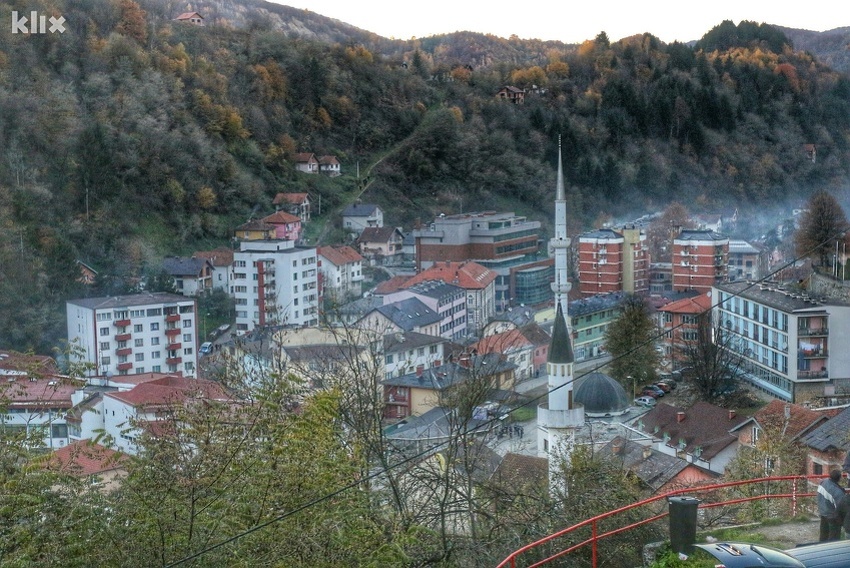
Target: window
x: 155, y: 326
x: 187, y: 337
x: 140, y: 356
x: 755, y: 434
x: 156, y: 355
x: 154, y: 341
x: 389, y: 359
x: 139, y: 343
x: 104, y: 346
x: 156, y: 368
x: 154, y: 312
x: 138, y: 328
x: 104, y: 331
x: 187, y: 351
x: 187, y: 323
x: 137, y: 313
x: 140, y: 370
x: 817, y: 469
x: 105, y: 361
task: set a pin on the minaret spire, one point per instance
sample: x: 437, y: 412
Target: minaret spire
x: 560, y: 244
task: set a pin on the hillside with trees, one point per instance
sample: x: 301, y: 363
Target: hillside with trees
x: 131, y: 137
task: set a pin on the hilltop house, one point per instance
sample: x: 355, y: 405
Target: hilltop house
x: 286, y: 226
x: 380, y: 243
x: 360, y: 216
x: 192, y: 276
x: 297, y: 204
x: 306, y: 162
x: 190, y: 18
x: 329, y: 165
x: 221, y: 260
x: 511, y: 94
x: 341, y: 272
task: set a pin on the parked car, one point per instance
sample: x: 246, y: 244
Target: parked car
x: 663, y: 386
x: 651, y: 393
x: 669, y: 382
x: 746, y: 555
x: 645, y: 401
x: 206, y: 348
x: 658, y: 391
x: 832, y: 554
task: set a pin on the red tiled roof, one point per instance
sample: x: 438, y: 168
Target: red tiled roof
x: 340, y: 255
x: 296, y: 198
x: 392, y: 285
x: 83, y: 458
x: 695, y: 305
x: 221, y: 256
x: 468, y: 275
x: 703, y: 425
x: 281, y: 218
x: 799, y: 421
x: 304, y: 157
x: 15, y: 361
x: 502, y: 342
x: 26, y: 392
x: 170, y: 390
x: 328, y: 160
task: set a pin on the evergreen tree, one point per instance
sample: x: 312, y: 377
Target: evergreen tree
x: 822, y: 226
x: 631, y: 342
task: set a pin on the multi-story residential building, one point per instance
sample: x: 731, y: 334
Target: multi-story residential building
x: 745, y: 261
x: 340, y: 272
x: 416, y: 393
x: 613, y: 261
x: 660, y: 278
x: 35, y: 399
x: 514, y: 346
x: 680, y: 322
x: 589, y: 321
x: 478, y: 282
x: 784, y: 338
x: 700, y: 260
x: 140, y: 333
x: 447, y: 300
x: 505, y: 243
x: 410, y: 352
x: 274, y: 282
x: 221, y: 260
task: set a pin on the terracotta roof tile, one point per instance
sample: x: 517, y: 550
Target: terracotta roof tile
x: 468, y: 275
x: 281, y: 218
x: 340, y: 255
x: 295, y: 198
x: 83, y: 458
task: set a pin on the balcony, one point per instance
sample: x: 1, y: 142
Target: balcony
x: 125, y: 366
x: 122, y: 337
x: 174, y: 360
x: 822, y: 374
x: 172, y: 331
x: 813, y: 331
x: 121, y: 323
x: 124, y: 351
x: 172, y: 318
x: 173, y: 346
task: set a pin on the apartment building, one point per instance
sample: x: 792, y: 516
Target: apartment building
x: 613, y: 261
x: 680, y: 321
x: 139, y: 333
x: 506, y: 243
x: 700, y: 260
x: 274, y: 282
x: 789, y: 341
x: 447, y: 300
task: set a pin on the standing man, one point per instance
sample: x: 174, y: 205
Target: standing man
x: 830, y: 495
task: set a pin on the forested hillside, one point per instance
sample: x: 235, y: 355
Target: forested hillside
x: 130, y: 137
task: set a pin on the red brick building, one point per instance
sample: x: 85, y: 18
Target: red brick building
x: 700, y: 260
x: 679, y: 320
x: 613, y: 261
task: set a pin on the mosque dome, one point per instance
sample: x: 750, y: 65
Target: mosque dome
x: 601, y: 395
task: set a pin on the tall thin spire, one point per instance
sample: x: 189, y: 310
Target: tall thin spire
x: 560, y: 243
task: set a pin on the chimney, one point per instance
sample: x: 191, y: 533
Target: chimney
x: 680, y: 416
x: 732, y: 415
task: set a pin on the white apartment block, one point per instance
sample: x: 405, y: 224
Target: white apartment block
x: 790, y: 343
x: 274, y: 283
x: 139, y: 333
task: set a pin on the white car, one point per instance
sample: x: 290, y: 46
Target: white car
x: 206, y: 348
x: 645, y: 401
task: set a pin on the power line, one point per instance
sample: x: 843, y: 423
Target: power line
x: 483, y: 426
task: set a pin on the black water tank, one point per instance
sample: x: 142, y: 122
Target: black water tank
x: 683, y: 523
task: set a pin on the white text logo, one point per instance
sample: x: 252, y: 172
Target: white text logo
x: 37, y: 24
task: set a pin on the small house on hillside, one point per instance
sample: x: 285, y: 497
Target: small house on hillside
x: 512, y: 94
x: 297, y: 204
x: 306, y: 162
x: 329, y: 165
x: 359, y: 216
x: 193, y: 18
x: 192, y: 276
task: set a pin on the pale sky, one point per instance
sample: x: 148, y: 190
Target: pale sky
x: 572, y: 22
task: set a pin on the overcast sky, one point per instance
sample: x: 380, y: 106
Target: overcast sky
x: 575, y: 21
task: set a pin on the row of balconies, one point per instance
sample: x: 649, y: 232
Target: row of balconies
x: 810, y: 332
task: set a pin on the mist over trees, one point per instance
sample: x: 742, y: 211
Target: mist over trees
x: 129, y: 137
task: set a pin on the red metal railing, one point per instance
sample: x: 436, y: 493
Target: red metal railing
x: 596, y: 536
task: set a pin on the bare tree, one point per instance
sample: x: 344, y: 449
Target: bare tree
x: 712, y: 351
